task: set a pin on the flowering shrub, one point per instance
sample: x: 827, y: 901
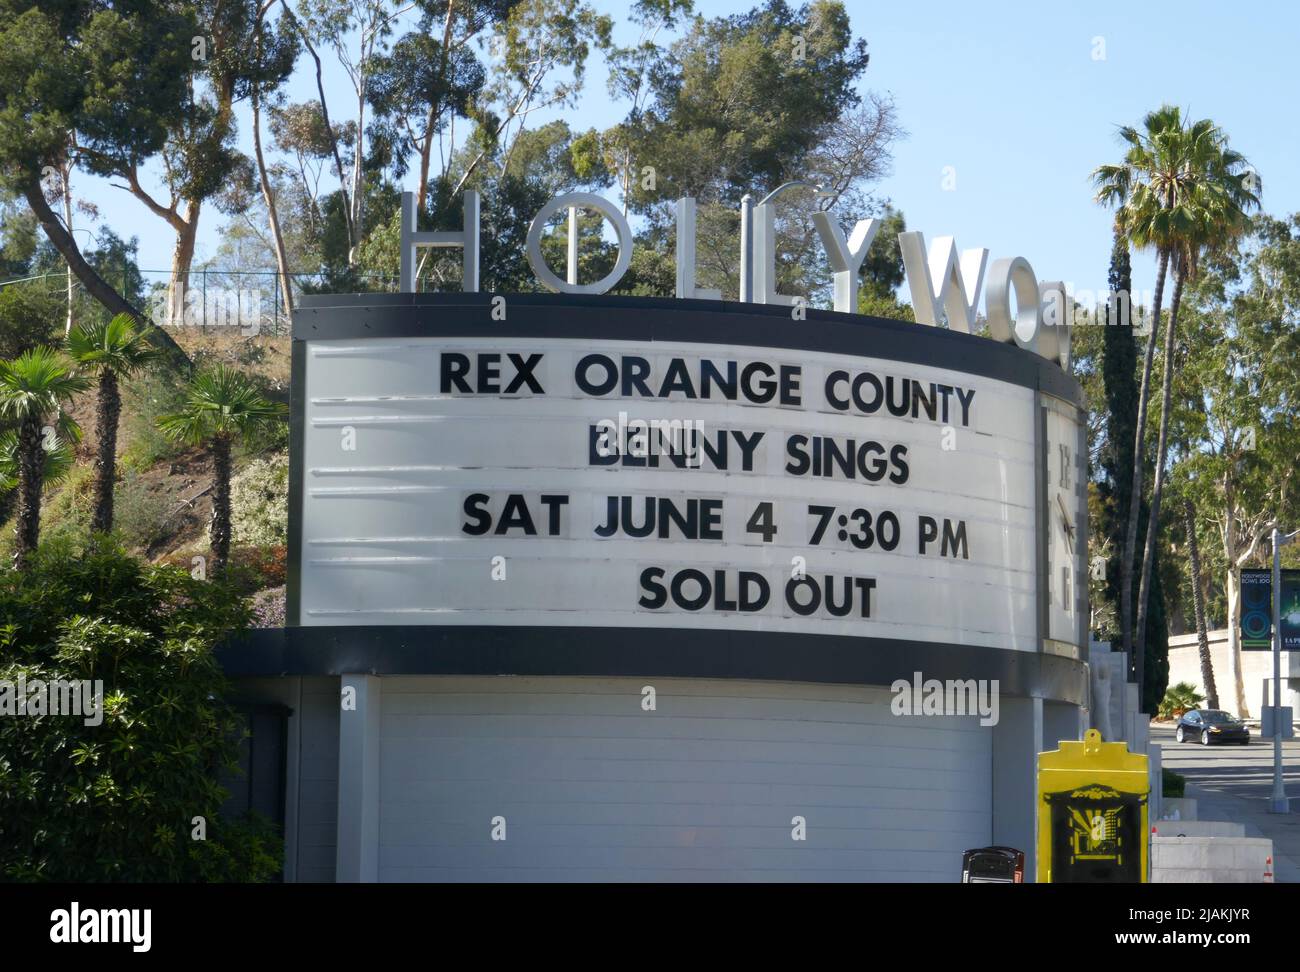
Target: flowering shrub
x: 259, y: 502
x: 268, y: 608
x: 265, y: 565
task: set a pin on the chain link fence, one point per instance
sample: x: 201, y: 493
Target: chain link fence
x: 250, y: 300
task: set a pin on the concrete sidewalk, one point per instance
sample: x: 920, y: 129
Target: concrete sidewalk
x: 1252, y: 813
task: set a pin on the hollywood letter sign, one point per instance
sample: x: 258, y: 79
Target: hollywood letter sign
x: 945, y: 286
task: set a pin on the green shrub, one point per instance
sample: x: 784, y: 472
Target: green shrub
x: 890, y: 307
x: 28, y: 313
x: 140, y: 514
x: 69, y: 510
x: 116, y: 801
x: 155, y: 392
x: 259, y: 502
x: 249, y: 570
x: 1178, y: 699
x: 1172, y: 784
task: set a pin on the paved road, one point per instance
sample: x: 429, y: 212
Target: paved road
x: 1242, y: 771
x: 1235, y: 783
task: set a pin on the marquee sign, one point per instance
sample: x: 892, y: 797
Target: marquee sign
x: 512, y: 479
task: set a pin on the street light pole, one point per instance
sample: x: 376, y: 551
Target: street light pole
x: 747, y: 230
x: 747, y: 249
x: 1280, y: 803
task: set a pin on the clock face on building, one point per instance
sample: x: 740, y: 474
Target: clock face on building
x: 1066, y: 533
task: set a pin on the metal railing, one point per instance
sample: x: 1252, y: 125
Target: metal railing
x: 251, y: 300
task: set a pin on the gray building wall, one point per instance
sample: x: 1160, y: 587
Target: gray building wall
x: 706, y: 787
x: 595, y: 788
x: 311, y: 770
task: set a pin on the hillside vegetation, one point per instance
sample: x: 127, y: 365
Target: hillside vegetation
x: 163, y: 500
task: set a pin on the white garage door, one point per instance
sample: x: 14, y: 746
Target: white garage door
x: 593, y: 787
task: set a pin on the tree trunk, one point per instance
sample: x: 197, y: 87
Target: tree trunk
x: 1234, y: 558
x: 31, y: 467
x: 108, y: 409
x: 66, y: 168
x: 1198, y: 604
x: 272, y: 213
x: 182, y: 259
x: 1138, y: 665
x: 426, y: 153
x: 1162, y: 446
x: 1233, y: 555
x: 325, y: 118
x: 95, y: 285
x: 219, y: 533
x: 1234, y: 641
x: 358, y: 190
x: 435, y: 109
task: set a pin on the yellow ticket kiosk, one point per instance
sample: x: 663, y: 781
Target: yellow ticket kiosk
x: 1092, y: 813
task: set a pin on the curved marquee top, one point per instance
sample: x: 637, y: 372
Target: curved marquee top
x: 609, y: 317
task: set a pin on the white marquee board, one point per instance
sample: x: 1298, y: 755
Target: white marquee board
x: 457, y: 481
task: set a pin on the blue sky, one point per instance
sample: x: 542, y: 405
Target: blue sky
x: 1012, y: 96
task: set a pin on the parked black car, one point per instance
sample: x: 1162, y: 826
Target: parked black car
x: 1211, y: 726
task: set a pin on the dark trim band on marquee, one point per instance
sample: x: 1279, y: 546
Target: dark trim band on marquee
x: 643, y: 652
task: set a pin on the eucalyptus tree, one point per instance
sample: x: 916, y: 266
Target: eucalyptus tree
x: 357, y: 33
x: 1198, y: 605
x: 430, y: 78
x: 234, y: 57
x: 1237, y: 407
x: 227, y: 55
x: 629, y: 81
x: 274, y: 48
x: 538, y: 61
x: 298, y: 130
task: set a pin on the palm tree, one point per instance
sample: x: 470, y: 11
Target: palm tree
x: 1140, y: 175
x: 1213, y: 196
x: 32, y: 386
x: 1179, y: 190
x: 58, y: 465
x: 114, y: 350
x: 221, y: 405
x: 1198, y: 606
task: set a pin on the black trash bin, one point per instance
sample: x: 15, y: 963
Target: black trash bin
x: 993, y: 865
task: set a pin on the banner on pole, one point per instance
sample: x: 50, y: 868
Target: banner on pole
x: 1257, y: 610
